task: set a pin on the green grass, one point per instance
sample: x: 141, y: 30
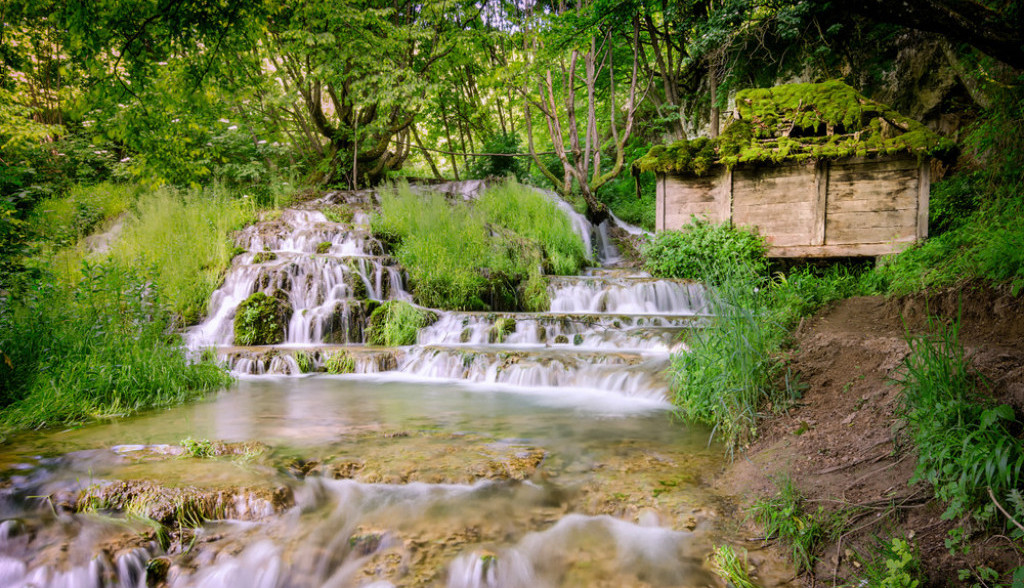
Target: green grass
x: 181, y: 240
x: 93, y: 349
x: 489, y: 255
x: 966, y: 443
x: 728, y: 374
x: 728, y: 565
x: 892, y: 564
x: 783, y: 517
x: 395, y: 323
x: 92, y: 336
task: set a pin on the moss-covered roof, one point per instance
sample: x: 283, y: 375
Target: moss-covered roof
x: 800, y: 122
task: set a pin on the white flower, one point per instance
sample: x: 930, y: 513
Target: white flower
x: 223, y: 120
x: 233, y: 128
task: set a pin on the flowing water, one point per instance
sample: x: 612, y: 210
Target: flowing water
x: 503, y: 449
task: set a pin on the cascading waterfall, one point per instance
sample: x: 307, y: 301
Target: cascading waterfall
x: 587, y: 377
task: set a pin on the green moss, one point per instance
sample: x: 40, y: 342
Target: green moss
x: 264, y: 257
x: 800, y: 122
x: 323, y: 247
x: 260, y: 320
x: 395, y: 323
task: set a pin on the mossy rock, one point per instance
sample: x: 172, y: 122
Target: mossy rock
x: 338, y: 213
x: 395, y: 323
x: 264, y: 257
x: 502, y: 328
x: 323, y: 247
x: 260, y: 320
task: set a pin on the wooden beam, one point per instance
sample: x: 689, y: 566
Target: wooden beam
x: 924, y: 190
x: 821, y: 204
x: 851, y: 250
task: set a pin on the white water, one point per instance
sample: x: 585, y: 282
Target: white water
x: 585, y: 381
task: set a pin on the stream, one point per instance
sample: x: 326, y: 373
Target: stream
x: 503, y: 449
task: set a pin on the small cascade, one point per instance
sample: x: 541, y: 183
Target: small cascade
x: 327, y: 271
x: 607, y: 330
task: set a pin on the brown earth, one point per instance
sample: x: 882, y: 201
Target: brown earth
x: 843, y: 444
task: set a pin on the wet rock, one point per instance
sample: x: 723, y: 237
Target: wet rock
x: 186, y: 505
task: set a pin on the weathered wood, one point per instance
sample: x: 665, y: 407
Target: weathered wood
x: 821, y: 174
x: 924, y: 189
x: 855, y: 250
x: 848, y: 208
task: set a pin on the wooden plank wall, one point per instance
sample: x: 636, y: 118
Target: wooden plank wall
x: 780, y: 201
x: 847, y: 208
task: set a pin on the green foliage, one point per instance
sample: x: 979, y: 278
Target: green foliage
x: 64, y: 220
x: 726, y: 563
x: 71, y: 352
x: 489, y: 255
x: 396, y: 323
x: 727, y: 374
x: 621, y: 193
x: 804, y: 290
x: 783, y: 516
x: 182, y: 240
x: 324, y: 247
x: 952, y: 202
x: 965, y: 443
x: 304, y: 360
x: 894, y: 564
x: 340, y: 362
x: 198, y: 447
x: 260, y: 320
x: 704, y: 251
x: 498, y: 166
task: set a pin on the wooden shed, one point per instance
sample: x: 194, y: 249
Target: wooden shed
x: 818, y: 169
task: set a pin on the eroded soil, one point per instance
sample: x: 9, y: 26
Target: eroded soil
x: 844, y: 446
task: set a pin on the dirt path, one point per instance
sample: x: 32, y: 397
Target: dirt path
x: 843, y: 444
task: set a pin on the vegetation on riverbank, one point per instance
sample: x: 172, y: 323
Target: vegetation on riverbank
x: 492, y: 254
x: 90, y: 332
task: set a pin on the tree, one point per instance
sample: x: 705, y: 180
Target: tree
x: 364, y: 71
x: 574, y: 51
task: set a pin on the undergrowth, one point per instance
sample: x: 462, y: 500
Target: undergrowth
x: 489, y: 255
x: 706, y: 251
x: 99, y: 347
x: 968, y: 446
x: 396, y: 323
x: 783, y: 516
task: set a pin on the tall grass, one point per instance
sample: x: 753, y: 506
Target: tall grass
x: 967, y: 445
x: 489, y: 255
x: 99, y: 347
x: 90, y: 336
x: 727, y: 375
x: 181, y: 241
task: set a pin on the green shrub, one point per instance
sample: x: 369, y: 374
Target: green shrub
x: 395, y: 323
x: 783, y: 516
x: 261, y: 319
x: 966, y: 445
x: 198, y: 447
x: 704, y: 251
x: 340, y: 362
x: 498, y: 166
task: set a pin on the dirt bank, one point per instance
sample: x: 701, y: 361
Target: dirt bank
x: 843, y: 445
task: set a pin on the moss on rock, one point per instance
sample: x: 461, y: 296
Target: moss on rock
x: 260, y: 320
